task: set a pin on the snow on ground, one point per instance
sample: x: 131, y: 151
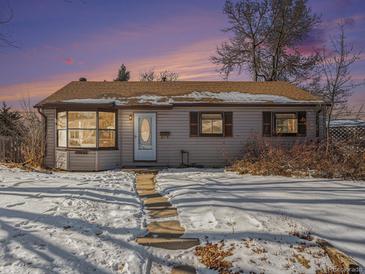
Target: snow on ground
x: 87, y: 222
x: 264, y: 211
x: 69, y: 223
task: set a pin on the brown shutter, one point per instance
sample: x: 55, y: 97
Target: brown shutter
x: 228, y: 124
x: 302, y: 123
x: 194, y: 124
x: 266, y: 122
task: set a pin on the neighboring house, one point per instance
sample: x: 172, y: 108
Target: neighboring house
x: 106, y: 125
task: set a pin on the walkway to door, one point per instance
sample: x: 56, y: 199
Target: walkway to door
x: 167, y: 234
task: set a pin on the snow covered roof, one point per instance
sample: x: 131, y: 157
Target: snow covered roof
x: 179, y: 92
x: 347, y: 123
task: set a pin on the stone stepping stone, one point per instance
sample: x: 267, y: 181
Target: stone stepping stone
x: 157, y: 202
x: 145, y: 186
x: 145, y: 190
x: 149, y: 194
x: 168, y: 243
x: 162, y: 212
x: 145, y: 180
x: 163, y: 234
x: 183, y: 269
x: 171, y: 229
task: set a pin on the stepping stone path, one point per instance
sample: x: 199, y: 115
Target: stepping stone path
x: 162, y: 233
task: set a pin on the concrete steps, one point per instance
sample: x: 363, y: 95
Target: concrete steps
x: 168, y: 243
x: 162, y: 234
x: 183, y: 269
x: 157, y: 202
x: 170, y: 229
x: 162, y: 212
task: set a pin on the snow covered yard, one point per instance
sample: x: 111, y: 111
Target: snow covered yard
x: 259, y: 215
x: 69, y: 223
x: 87, y: 222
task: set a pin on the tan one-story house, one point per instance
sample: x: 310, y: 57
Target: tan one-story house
x: 105, y: 125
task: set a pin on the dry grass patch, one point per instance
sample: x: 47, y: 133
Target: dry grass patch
x: 344, y: 160
x: 302, y: 260
x: 214, y: 256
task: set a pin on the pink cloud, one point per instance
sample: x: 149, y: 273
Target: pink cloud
x: 69, y: 61
x: 191, y: 62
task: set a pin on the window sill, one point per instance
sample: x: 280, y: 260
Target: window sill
x: 285, y: 135
x: 85, y: 149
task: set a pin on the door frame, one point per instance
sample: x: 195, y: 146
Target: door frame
x: 134, y: 138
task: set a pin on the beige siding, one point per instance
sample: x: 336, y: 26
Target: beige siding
x: 82, y: 162
x: 207, y: 151
x: 108, y: 159
x: 51, y: 137
x: 87, y: 160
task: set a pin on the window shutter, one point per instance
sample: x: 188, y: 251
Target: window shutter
x: 266, y: 122
x: 228, y: 124
x: 194, y: 124
x: 302, y: 123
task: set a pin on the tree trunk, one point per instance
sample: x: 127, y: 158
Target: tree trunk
x: 328, y: 141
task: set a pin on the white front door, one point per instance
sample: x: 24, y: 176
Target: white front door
x: 145, y: 136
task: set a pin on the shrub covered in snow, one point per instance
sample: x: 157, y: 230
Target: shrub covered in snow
x: 343, y: 160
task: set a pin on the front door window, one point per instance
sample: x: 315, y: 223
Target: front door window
x: 145, y: 133
x: 145, y: 136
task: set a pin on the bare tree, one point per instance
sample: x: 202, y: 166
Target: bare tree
x: 266, y: 39
x: 360, y: 112
x: 335, y: 67
x: 163, y: 76
x: 32, y: 136
x: 147, y: 76
x: 167, y: 76
x: 249, y: 23
x: 6, y: 15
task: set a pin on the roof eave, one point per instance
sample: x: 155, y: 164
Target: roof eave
x: 177, y: 104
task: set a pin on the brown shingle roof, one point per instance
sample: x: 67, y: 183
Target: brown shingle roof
x: 125, y: 90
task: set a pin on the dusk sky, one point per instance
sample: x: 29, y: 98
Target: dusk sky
x: 61, y: 40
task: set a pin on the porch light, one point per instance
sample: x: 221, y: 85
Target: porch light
x: 130, y: 117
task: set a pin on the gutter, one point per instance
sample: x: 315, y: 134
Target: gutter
x: 61, y: 105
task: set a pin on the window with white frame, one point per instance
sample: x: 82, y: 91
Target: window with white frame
x: 86, y: 129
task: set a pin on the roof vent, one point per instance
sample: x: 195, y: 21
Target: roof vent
x: 82, y: 79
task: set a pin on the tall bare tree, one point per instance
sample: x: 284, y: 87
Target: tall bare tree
x: 33, y: 146
x: 163, y: 76
x: 147, y: 76
x: 6, y: 15
x: 336, y: 83
x: 266, y: 39
x: 167, y: 76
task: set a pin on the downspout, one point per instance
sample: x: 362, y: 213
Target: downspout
x: 44, y: 150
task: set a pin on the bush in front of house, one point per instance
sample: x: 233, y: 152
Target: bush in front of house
x: 342, y: 160
x: 21, y: 133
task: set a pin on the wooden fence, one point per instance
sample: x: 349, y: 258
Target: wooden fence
x: 10, y: 150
